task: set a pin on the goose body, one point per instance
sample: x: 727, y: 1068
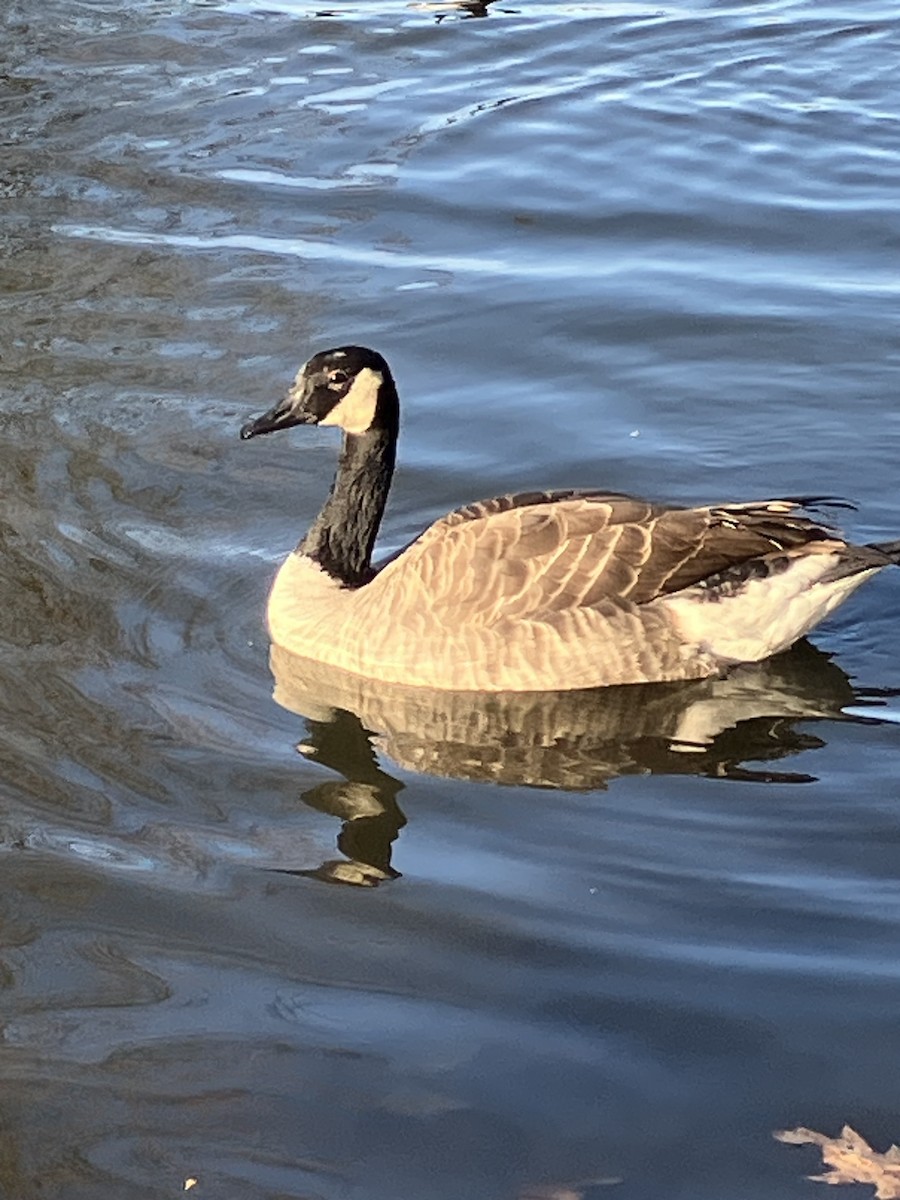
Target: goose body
x: 538, y: 591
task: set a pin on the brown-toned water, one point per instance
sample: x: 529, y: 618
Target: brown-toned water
x: 613, y: 937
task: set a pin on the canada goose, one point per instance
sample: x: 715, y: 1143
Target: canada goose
x: 538, y: 591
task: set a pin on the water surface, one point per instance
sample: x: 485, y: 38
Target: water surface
x: 616, y: 245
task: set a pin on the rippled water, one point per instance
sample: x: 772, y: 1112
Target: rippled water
x: 620, y: 937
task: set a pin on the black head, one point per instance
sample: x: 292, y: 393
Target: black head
x: 350, y: 387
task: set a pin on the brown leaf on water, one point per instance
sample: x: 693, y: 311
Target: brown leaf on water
x: 851, y: 1159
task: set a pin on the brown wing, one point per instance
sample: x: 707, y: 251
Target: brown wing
x: 534, y: 554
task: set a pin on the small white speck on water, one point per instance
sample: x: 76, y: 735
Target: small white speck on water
x: 635, y: 433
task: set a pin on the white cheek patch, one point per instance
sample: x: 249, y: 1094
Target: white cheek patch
x: 356, y: 412
x: 296, y: 388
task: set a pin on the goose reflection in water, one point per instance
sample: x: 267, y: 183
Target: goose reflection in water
x: 573, y: 741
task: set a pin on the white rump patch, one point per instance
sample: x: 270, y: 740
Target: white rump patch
x: 356, y: 412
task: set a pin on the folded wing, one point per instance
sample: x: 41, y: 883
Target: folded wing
x: 536, y: 554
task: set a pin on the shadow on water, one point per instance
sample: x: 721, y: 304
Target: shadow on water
x: 573, y: 741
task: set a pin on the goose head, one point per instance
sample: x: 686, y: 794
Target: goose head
x: 350, y: 387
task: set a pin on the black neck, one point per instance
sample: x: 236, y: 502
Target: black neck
x: 343, y: 534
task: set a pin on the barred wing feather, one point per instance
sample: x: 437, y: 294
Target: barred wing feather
x: 537, y: 554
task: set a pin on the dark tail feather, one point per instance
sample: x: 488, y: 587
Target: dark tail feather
x: 823, y: 502
x: 891, y: 549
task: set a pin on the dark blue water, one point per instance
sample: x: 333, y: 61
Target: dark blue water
x: 652, y: 250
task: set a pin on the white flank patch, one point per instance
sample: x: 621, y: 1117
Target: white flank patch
x: 765, y: 615
x: 356, y: 412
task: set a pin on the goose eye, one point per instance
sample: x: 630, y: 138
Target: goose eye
x: 336, y: 378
